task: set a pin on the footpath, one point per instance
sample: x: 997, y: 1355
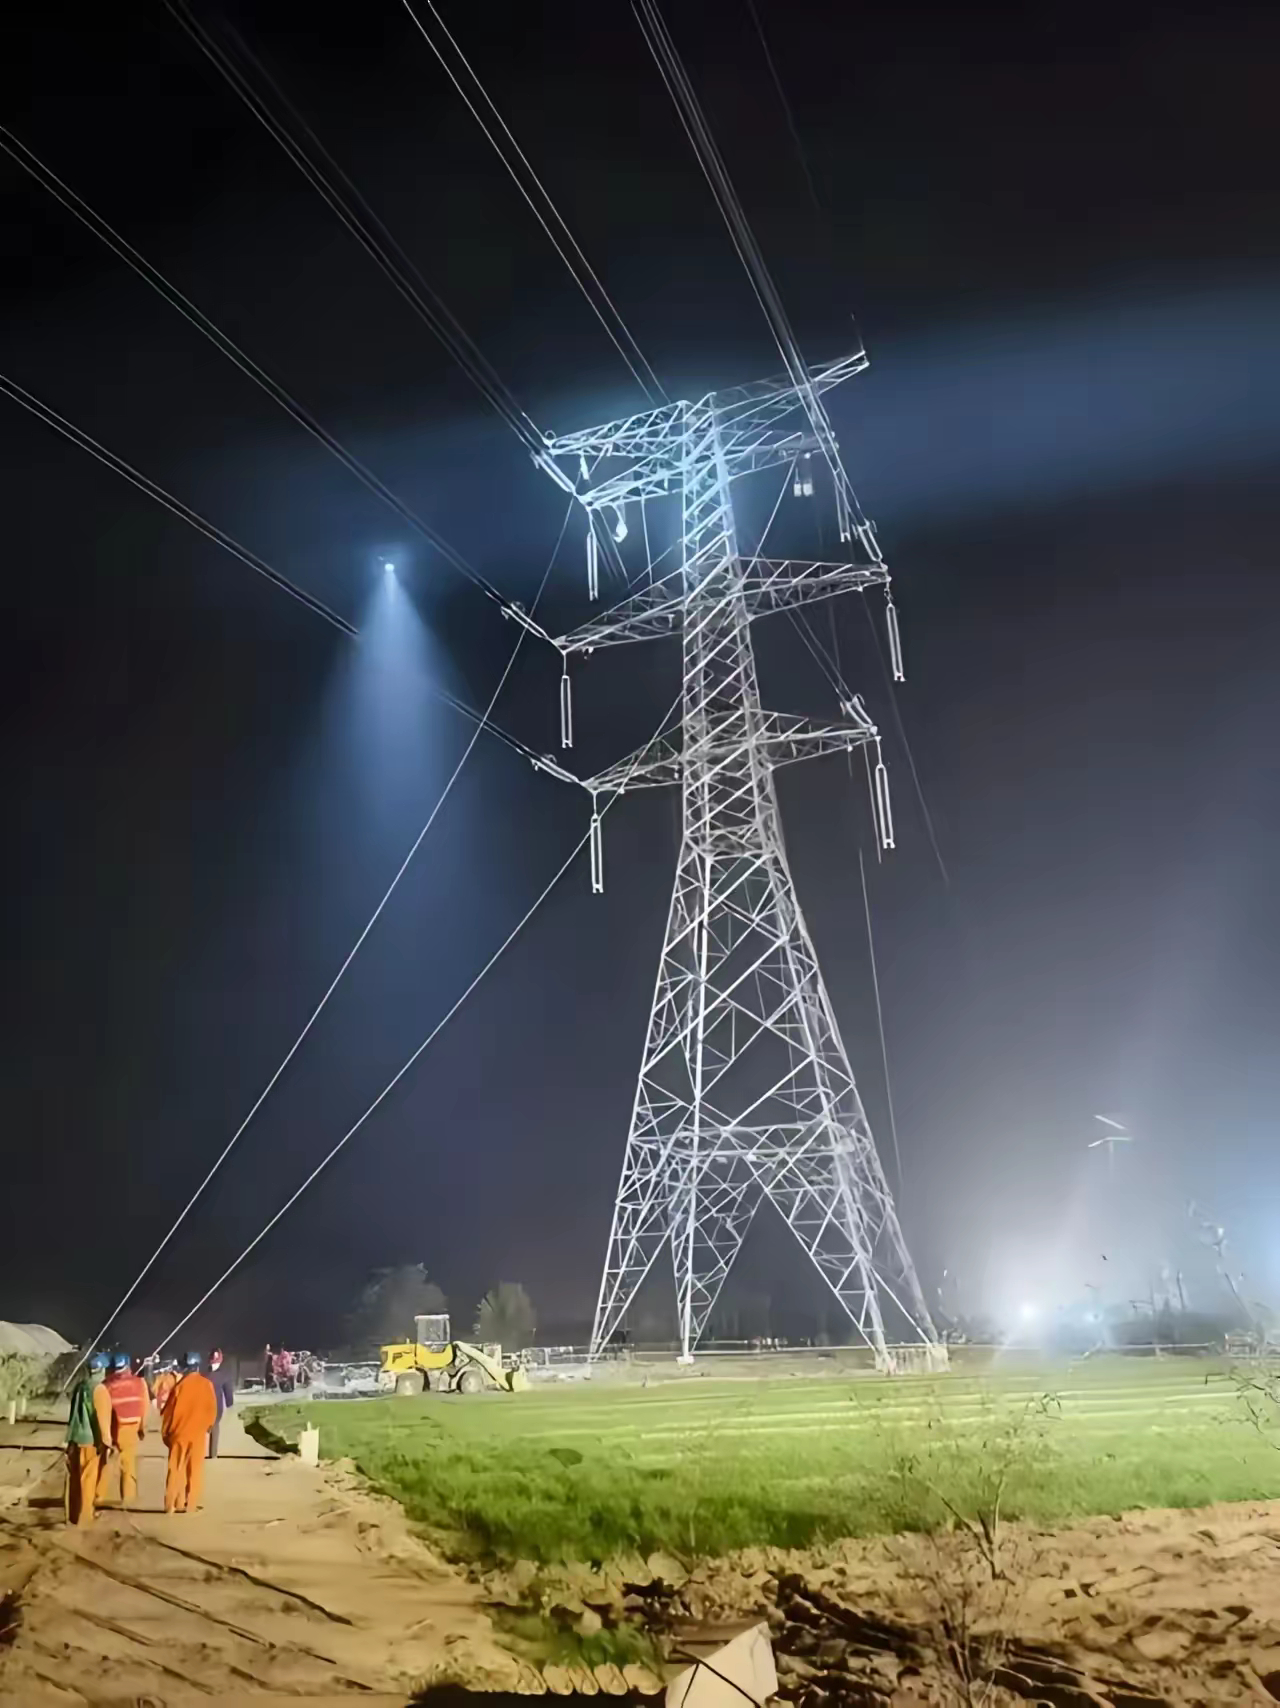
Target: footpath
x: 291, y: 1583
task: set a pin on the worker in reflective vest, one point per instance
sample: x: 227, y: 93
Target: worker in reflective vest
x: 129, y: 1403
x: 88, y: 1440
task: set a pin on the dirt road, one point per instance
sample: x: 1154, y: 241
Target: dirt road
x: 290, y: 1583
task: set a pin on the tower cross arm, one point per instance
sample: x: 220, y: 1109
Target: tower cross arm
x: 784, y: 739
x: 773, y: 584
x: 746, y: 451
x: 768, y: 584
x: 632, y: 436
x: 652, y: 429
x: 656, y: 765
x: 767, y: 400
x: 651, y: 614
x: 780, y: 738
x: 653, y: 442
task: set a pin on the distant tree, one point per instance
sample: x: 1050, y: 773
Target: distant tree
x: 388, y: 1303
x: 506, y: 1315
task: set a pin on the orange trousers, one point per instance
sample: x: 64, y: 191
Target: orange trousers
x: 85, y: 1466
x: 185, y: 1476
x: 126, y: 1457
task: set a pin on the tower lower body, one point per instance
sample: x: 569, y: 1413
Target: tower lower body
x: 745, y: 1090
x: 746, y: 1093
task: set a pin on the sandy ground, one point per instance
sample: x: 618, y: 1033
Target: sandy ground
x: 289, y: 1583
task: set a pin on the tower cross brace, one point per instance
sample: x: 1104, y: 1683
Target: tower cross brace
x: 745, y: 1090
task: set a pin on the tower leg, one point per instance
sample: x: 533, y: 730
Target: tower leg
x: 709, y: 1221
x: 642, y: 1210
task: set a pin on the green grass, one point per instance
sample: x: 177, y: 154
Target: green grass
x: 704, y: 1466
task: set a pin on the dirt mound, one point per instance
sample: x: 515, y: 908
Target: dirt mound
x: 1174, y: 1608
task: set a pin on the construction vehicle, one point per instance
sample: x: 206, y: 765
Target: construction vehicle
x: 434, y: 1360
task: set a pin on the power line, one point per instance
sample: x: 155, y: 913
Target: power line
x: 386, y: 1090
x: 421, y: 1049
x: 708, y: 155
x: 787, y: 110
x: 56, y: 187
x: 835, y: 681
x: 911, y: 762
x: 798, y: 619
x: 884, y: 1048
x: 211, y: 531
x: 893, y: 700
x: 544, y: 194
x: 78, y: 436
x: 481, y: 722
x: 709, y: 158
x: 383, y: 249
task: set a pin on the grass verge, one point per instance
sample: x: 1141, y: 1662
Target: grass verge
x: 701, y: 1467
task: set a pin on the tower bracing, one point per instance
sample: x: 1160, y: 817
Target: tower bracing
x: 745, y: 1090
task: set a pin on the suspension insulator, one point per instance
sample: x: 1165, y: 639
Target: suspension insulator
x: 895, y: 640
x: 597, y: 851
x: 593, y: 564
x: 566, y: 709
x: 884, y: 808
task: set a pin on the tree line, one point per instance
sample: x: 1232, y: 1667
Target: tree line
x: 391, y: 1298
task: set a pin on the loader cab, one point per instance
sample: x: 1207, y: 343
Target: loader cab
x: 433, y: 1332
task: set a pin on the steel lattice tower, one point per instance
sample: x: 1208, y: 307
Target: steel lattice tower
x: 745, y: 1089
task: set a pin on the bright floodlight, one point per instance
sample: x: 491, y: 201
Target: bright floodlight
x: 1029, y: 1312
x: 390, y: 568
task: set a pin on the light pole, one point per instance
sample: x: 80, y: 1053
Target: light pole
x: 1117, y: 1135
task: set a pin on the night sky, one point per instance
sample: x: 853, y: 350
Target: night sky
x: 1057, y: 227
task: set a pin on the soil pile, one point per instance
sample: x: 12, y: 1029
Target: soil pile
x: 1174, y: 1608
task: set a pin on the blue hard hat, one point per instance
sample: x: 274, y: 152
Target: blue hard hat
x: 121, y: 1361
x: 192, y: 1361
x: 98, y: 1361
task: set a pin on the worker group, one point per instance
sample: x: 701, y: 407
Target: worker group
x: 110, y: 1408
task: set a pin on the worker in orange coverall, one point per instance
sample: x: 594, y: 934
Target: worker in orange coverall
x: 88, y: 1439
x: 129, y: 1404
x: 189, y: 1415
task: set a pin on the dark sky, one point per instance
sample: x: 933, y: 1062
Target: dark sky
x: 1057, y: 226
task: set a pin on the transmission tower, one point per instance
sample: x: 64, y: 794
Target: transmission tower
x: 745, y: 1089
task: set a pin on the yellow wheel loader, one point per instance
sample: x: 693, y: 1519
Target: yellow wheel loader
x: 434, y: 1359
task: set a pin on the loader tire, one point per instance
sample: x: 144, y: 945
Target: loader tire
x: 470, y: 1382
x: 410, y: 1382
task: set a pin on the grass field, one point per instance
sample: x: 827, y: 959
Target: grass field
x: 698, y: 1467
